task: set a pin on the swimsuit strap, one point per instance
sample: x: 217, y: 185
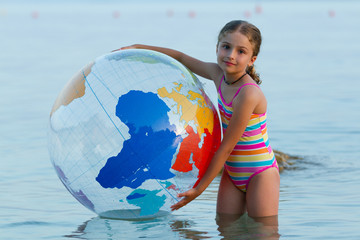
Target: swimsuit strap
x: 219, y: 90
x: 237, y: 92
x: 246, y: 84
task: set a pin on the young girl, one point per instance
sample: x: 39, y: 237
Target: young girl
x: 250, y: 180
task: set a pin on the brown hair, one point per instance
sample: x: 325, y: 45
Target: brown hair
x: 254, y: 36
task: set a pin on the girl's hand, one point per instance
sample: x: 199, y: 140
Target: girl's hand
x: 188, y: 197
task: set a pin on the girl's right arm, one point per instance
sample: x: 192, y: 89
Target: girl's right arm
x: 204, y: 69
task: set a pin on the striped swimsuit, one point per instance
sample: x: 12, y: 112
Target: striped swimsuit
x: 252, y: 154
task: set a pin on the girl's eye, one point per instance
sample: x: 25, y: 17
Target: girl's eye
x: 226, y: 46
x: 241, y: 51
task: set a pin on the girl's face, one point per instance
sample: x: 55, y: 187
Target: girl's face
x: 235, y: 53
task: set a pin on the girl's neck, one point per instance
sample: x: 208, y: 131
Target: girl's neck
x: 231, y: 79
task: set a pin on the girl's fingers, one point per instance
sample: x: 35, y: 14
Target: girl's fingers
x: 179, y: 205
x: 188, y: 196
x: 124, y: 48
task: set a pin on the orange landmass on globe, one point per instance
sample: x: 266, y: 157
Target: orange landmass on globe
x: 202, y: 111
x: 74, y: 89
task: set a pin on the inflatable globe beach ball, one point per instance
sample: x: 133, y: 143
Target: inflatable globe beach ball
x: 130, y: 131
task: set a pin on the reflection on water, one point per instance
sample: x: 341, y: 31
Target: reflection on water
x: 186, y: 231
x: 170, y: 227
x: 110, y: 229
x: 131, y: 214
x: 99, y: 228
x: 245, y: 227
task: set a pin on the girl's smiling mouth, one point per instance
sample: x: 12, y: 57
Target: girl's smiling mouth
x: 229, y: 63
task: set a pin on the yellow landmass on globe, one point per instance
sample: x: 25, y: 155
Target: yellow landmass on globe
x: 74, y: 89
x: 203, y: 114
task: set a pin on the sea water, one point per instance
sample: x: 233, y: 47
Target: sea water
x: 309, y: 66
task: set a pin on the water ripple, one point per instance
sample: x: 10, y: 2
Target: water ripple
x: 28, y: 223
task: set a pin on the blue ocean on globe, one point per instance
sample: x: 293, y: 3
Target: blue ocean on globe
x: 152, y: 162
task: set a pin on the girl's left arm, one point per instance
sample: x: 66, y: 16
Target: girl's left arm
x: 243, y: 105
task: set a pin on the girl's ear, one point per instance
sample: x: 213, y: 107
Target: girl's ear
x: 252, y: 60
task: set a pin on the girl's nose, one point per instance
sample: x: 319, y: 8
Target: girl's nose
x: 230, y: 54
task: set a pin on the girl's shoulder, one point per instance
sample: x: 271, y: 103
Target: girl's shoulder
x: 252, y: 95
x: 250, y: 88
x: 248, y: 91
